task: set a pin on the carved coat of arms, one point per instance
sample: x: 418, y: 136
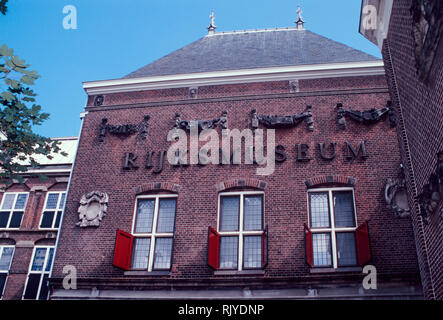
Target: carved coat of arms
x: 92, y: 209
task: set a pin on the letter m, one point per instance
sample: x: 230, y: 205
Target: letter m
x: 351, y: 153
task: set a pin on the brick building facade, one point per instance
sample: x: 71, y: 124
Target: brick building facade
x: 139, y: 227
x: 413, y: 56
x: 30, y: 215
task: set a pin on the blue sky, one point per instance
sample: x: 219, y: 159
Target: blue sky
x: 116, y: 37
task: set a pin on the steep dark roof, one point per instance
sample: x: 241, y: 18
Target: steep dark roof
x: 252, y: 49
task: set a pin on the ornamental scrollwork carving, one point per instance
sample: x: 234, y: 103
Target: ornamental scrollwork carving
x: 365, y: 117
x: 221, y: 121
x: 431, y: 199
x: 276, y: 122
x: 124, y: 130
x: 92, y: 209
x: 427, y: 27
x: 396, y: 196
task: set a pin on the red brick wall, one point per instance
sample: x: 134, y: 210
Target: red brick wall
x: 420, y: 106
x: 99, y: 167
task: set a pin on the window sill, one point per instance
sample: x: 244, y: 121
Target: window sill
x: 147, y: 273
x: 239, y: 273
x: 338, y: 270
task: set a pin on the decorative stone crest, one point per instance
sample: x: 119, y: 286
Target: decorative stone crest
x: 124, y: 130
x: 222, y: 122
x: 92, y: 209
x: 396, y: 196
x: 431, y: 199
x: 427, y: 26
x: 98, y: 100
x: 275, y: 122
x: 365, y: 117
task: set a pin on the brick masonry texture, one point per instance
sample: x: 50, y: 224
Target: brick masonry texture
x: 420, y: 106
x: 99, y: 167
x: 29, y: 231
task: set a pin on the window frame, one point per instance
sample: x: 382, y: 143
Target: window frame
x: 2, y: 247
x: 153, y: 235
x: 42, y: 273
x: 12, y: 210
x: 56, y: 210
x: 240, y: 233
x: 332, y: 230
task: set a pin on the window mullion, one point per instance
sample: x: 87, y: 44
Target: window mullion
x: 42, y: 273
x: 12, y: 210
x: 333, y: 240
x: 154, y: 230
x: 240, y: 236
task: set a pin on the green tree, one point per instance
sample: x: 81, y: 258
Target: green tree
x: 18, y: 114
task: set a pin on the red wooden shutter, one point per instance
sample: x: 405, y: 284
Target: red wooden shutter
x: 309, y: 249
x: 213, y: 248
x: 362, y: 242
x: 264, y: 247
x: 123, y: 250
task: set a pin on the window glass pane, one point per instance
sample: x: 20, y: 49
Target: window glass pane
x: 47, y: 219
x: 228, y: 252
x: 4, y: 217
x: 229, y: 213
x: 5, y: 258
x: 253, y: 213
x: 140, y: 253
x: 32, y: 286
x: 145, y: 214
x: 51, y: 203
x: 346, y: 251
x: 3, y: 277
x: 166, y: 215
x: 39, y: 259
x: 62, y: 201
x: 49, y: 263
x: 21, y: 201
x: 343, y: 209
x: 44, y: 288
x: 319, y: 210
x: 252, y: 252
x: 16, y: 220
x: 321, y: 243
x: 162, y: 255
x: 8, y: 201
x: 57, y: 219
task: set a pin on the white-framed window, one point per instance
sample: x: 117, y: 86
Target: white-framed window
x: 6, y: 254
x: 153, y: 232
x: 12, y: 208
x: 36, y: 287
x: 52, y: 211
x: 240, y: 226
x: 333, y: 222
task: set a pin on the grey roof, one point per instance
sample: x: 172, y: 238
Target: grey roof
x: 252, y: 49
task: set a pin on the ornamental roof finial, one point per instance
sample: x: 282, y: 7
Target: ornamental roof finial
x: 212, y: 27
x: 300, y: 22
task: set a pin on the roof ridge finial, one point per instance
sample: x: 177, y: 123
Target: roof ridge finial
x: 212, y: 27
x: 300, y: 22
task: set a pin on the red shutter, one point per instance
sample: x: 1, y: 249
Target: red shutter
x: 213, y: 248
x: 123, y: 250
x: 264, y: 247
x: 362, y: 242
x: 309, y: 250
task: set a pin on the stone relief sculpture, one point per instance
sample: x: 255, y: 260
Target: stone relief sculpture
x: 124, y: 130
x: 365, y: 117
x: 275, y: 121
x: 431, y: 199
x: 221, y: 121
x: 396, y: 196
x: 92, y: 209
x: 427, y: 26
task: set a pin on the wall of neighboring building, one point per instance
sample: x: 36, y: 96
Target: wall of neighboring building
x: 99, y: 166
x: 420, y: 109
x: 29, y: 234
